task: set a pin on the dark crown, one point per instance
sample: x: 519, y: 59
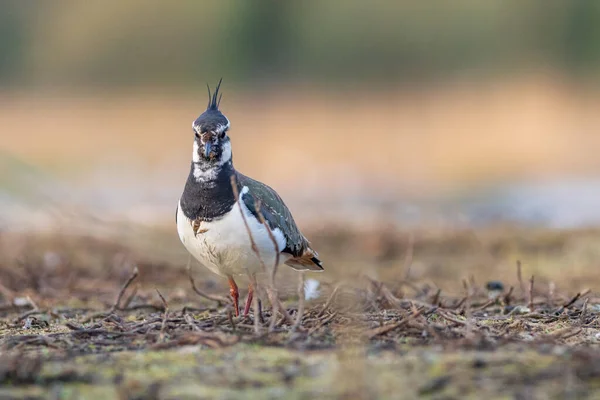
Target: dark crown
x: 212, y: 118
x: 214, y: 101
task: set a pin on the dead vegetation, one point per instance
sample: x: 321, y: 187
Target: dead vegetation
x: 66, y: 325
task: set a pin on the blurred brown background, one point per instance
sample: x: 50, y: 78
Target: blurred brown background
x: 413, y: 114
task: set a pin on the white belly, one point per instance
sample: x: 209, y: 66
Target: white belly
x: 224, y: 247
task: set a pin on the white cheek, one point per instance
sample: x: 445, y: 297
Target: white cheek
x: 195, y: 155
x: 226, y: 154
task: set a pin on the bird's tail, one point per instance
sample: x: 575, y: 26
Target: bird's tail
x: 308, y: 261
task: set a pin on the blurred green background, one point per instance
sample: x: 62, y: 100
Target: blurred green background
x: 184, y: 43
x: 473, y: 111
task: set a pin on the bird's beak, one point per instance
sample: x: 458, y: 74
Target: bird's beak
x: 207, y: 149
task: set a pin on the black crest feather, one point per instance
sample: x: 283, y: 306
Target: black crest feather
x: 214, y: 99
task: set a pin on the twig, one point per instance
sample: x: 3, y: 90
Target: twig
x: 134, y: 275
x: 386, y: 328
x: 230, y: 319
x: 30, y: 300
x: 130, y: 297
x: 507, y: 296
x: 285, y: 315
x: 436, y: 297
x: 27, y: 314
x: 551, y: 289
x: 460, y: 303
x: 255, y: 306
x: 570, y: 335
x: 329, y: 300
x: 165, y: 316
x: 572, y: 301
x: 390, y: 327
x: 322, y: 323
x: 271, y: 290
x: 300, y: 302
x: 236, y: 194
x: 262, y: 220
x: 212, y: 297
x: 583, y: 312
x: 452, y: 319
x: 408, y: 258
x: 468, y: 311
x: 484, y: 305
x: 520, y: 277
x: 393, y: 300
x: 190, y: 322
x: 531, y: 281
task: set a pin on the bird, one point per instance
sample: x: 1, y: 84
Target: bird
x: 233, y: 224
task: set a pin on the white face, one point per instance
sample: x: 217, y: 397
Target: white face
x: 225, y: 154
x: 206, y: 170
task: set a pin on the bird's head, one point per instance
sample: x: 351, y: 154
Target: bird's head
x: 211, y: 143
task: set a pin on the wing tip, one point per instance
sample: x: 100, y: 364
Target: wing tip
x: 317, y: 262
x: 308, y: 261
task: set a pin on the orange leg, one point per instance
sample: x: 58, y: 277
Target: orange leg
x: 249, y: 299
x: 235, y: 295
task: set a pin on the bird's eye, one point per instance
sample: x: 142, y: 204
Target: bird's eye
x: 197, y: 135
x: 222, y: 134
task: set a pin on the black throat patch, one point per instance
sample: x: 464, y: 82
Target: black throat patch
x: 209, y: 199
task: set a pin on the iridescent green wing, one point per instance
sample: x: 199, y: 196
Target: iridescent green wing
x: 274, y: 211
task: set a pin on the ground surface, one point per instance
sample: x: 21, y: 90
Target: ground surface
x: 394, y: 319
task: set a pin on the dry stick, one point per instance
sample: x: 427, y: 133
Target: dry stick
x: 191, y: 322
x: 484, y: 305
x: 134, y: 275
x: 212, y: 297
x: 322, y: 323
x: 329, y: 300
x: 551, y: 289
x: 272, y: 288
x: 473, y: 283
x: 583, y: 312
x: 262, y: 220
x: 507, y: 296
x: 520, y: 277
x: 531, y: 281
x: 115, y: 305
x: 452, y: 319
x: 230, y: 318
x: 257, y: 252
x: 300, y: 302
x: 130, y: 297
x: 271, y: 292
x: 572, y: 301
x: 35, y: 306
x: 390, y: 327
x: 408, y: 259
x: 165, y: 316
x: 236, y: 194
x: 386, y: 328
x: 253, y: 282
x: 393, y: 300
x: 468, y: 310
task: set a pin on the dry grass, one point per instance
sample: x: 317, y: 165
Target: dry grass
x: 369, y: 328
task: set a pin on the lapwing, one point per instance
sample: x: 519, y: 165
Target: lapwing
x: 209, y: 214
